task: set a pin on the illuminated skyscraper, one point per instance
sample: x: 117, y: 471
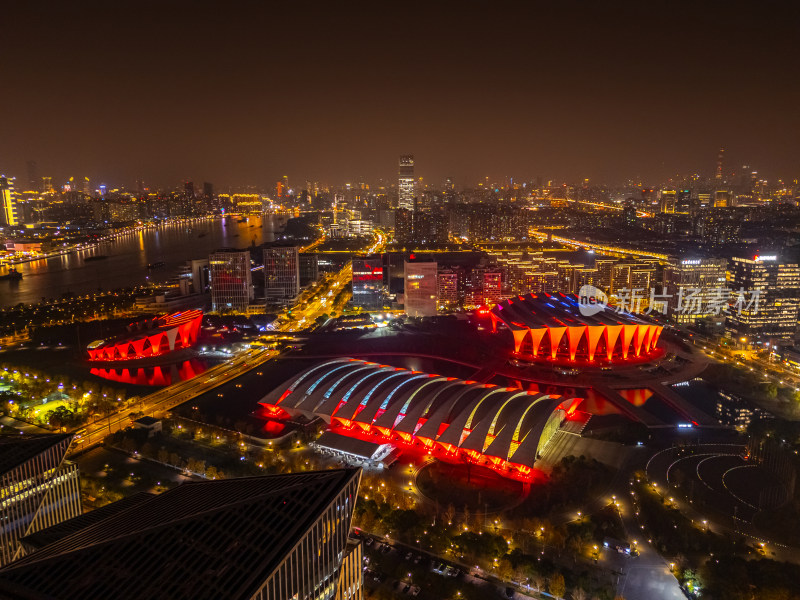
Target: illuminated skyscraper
x: 403, y: 225
x: 231, y: 282
x: 421, y: 283
x: 492, y: 287
x: 767, y: 306
x: 697, y: 279
x: 281, y: 274
x: 368, y: 283
x: 8, y: 204
x: 447, y: 288
x: 720, y: 165
x: 405, y: 182
x: 667, y: 201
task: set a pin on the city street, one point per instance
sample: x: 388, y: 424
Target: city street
x: 319, y: 303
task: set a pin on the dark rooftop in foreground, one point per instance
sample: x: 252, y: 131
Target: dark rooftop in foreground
x: 15, y: 450
x: 201, y: 540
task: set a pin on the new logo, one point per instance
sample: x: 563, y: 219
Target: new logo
x: 591, y: 300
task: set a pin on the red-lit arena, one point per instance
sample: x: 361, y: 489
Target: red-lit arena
x: 151, y: 337
x: 553, y: 327
x: 502, y: 428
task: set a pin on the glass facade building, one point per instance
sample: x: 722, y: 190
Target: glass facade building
x: 231, y: 280
x: 250, y: 538
x: 38, y: 488
x: 368, y: 283
x: 421, y: 283
x: 777, y: 287
x: 405, y: 182
x: 281, y: 274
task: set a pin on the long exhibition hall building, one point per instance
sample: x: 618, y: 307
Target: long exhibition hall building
x: 454, y: 420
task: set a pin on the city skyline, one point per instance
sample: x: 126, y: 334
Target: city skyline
x: 424, y: 300
x: 518, y: 91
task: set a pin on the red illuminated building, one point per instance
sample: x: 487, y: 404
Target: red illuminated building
x: 155, y: 375
x: 152, y: 337
x: 553, y: 327
x: 502, y: 428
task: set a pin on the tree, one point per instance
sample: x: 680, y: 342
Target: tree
x: 771, y: 391
x: 175, y: 459
x: 212, y: 473
x: 59, y: 417
x: 505, y: 570
x: 579, y: 594
x: 556, y: 585
x: 163, y: 455
x: 538, y: 581
x: 450, y: 513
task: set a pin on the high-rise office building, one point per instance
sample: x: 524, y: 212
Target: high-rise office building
x: 668, y: 200
x: 405, y: 183
x: 252, y: 538
x: 627, y: 276
x: 281, y: 274
x: 629, y: 215
x: 38, y: 488
x: 723, y: 198
x: 420, y: 288
x: 766, y: 308
x: 188, y: 189
x: 368, y: 283
x: 8, y: 202
x: 403, y: 225
x: 692, y: 285
x: 34, y: 182
x: 309, y: 269
x: 683, y: 202
x: 492, y: 286
x: 231, y: 281
x: 447, y: 288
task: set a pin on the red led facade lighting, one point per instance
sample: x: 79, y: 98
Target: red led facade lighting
x: 152, y: 337
x: 553, y: 327
x: 501, y: 428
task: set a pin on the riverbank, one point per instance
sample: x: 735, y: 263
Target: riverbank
x: 118, y: 232
x: 171, y: 245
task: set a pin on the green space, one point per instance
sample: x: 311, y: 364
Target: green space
x: 33, y: 396
x: 468, y: 485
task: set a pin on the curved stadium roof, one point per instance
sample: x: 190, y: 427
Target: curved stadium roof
x: 501, y: 427
x: 553, y: 324
x: 150, y: 337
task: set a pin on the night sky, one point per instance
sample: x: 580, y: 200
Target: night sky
x: 241, y: 93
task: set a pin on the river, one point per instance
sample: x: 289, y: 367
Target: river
x: 128, y: 257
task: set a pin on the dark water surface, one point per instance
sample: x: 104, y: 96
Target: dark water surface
x: 129, y: 255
